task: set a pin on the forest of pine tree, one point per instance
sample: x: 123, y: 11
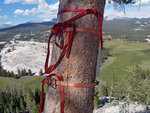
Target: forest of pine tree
x: 16, y: 101
x: 135, y: 88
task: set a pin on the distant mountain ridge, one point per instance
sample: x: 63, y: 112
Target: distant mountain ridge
x: 127, y: 28
x: 117, y: 27
x: 29, y: 24
x: 30, y: 30
x: 5, y: 26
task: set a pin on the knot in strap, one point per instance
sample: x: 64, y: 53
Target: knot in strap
x: 92, y: 11
x: 57, y: 28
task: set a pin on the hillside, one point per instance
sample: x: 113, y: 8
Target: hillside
x: 129, y: 28
x: 27, y: 31
x: 24, y: 55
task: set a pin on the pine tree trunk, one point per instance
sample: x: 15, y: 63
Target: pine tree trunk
x: 80, y: 67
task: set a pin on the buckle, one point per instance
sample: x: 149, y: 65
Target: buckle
x: 97, y: 82
x: 50, y: 82
x: 54, y: 86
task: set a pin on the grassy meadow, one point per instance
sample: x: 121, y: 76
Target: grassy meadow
x: 21, y: 83
x: 125, y: 55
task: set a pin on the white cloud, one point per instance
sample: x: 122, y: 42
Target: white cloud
x: 26, y: 12
x: 21, y: 1
x: 3, y: 17
x: 8, y: 23
x: 43, y: 10
x: 19, y: 12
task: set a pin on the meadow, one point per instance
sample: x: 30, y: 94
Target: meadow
x: 21, y: 83
x: 124, y: 56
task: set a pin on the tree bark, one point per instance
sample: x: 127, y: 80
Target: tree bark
x: 80, y: 67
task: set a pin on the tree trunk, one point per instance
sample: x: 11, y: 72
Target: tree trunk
x: 80, y: 67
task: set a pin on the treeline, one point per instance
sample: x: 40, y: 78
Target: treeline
x: 23, y: 72
x: 20, y: 73
x: 23, y: 101
x: 4, y: 73
x: 105, y: 53
x: 134, y: 88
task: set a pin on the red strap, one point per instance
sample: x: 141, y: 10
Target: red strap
x: 82, y: 12
x: 83, y: 30
x: 66, y: 48
x: 61, y: 83
x: 58, y: 29
x: 46, y: 80
x: 67, y: 44
x: 77, y: 85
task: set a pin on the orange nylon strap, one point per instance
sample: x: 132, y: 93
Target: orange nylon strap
x: 61, y: 83
x: 83, y: 12
x: 67, y: 46
x: 58, y: 28
x: 77, y: 85
x: 83, y: 30
x: 57, y: 32
x: 47, y: 80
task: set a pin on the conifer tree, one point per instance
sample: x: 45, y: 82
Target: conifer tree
x: 5, y: 111
x: 29, y: 98
x: 34, y: 107
x: 13, y: 75
x: 41, y: 72
x: 29, y: 72
x: 17, y: 110
x: 135, y: 81
x: 112, y: 87
x: 11, y: 108
x: 22, y: 104
x: 19, y: 73
x: 37, y: 95
x: 96, y: 100
x: 12, y: 102
x: 9, y: 74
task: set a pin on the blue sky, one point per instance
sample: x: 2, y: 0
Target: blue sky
x: 21, y: 11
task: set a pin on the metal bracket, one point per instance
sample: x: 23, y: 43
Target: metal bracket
x: 51, y: 82
x: 97, y: 82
